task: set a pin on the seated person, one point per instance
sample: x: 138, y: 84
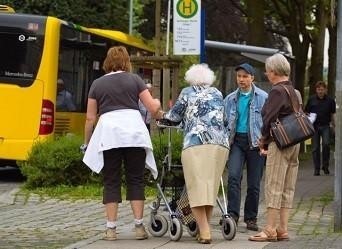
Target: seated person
x: 64, y: 98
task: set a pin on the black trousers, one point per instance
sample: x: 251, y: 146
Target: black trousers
x: 133, y: 159
x: 321, y: 133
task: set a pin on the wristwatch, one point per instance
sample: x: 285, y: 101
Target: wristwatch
x: 83, y: 148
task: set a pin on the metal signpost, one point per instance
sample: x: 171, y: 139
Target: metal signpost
x: 338, y: 132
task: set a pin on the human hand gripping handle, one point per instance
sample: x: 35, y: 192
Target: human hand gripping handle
x: 159, y: 114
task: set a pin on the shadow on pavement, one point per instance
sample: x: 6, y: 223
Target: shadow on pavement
x: 11, y: 174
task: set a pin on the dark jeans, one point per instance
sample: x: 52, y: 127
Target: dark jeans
x: 133, y: 159
x: 324, y: 133
x: 240, y: 153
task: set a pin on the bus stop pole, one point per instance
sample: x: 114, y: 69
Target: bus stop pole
x: 338, y: 125
x: 203, y: 33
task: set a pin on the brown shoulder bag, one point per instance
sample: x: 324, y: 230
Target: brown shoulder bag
x: 293, y: 128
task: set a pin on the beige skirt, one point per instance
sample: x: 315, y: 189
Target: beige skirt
x: 203, y: 167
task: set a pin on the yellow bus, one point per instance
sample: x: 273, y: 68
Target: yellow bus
x: 7, y: 9
x: 35, y: 52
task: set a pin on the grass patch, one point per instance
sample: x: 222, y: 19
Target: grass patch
x: 65, y: 192
x: 84, y: 192
x: 304, y: 156
x: 326, y: 198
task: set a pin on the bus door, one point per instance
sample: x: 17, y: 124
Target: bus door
x: 80, y: 58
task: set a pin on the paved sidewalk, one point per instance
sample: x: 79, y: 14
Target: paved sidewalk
x: 33, y: 222
x: 311, y: 223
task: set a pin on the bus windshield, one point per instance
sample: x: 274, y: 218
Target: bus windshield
x: 21, y: 51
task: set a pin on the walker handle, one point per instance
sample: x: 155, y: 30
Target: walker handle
x: 166, y: 123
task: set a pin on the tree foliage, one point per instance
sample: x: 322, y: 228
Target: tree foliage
x: 224, y: 21
x: 147, y: 27
x: 112, y: 14
x: 291, y: 19
x: 269, y: 23
x: 301, y: 23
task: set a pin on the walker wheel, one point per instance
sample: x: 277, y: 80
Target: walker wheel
x: 176, y: 229
x: 157, y: 225
x: 228, y: 228
x: 192, y: 229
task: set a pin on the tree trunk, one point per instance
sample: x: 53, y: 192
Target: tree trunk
x: 300, y: 50
x: 295, y: 17
x: 332, y: 59
x: 317, y: 45
x: 255, y: 20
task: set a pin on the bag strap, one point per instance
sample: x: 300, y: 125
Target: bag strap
x: 296, y: 108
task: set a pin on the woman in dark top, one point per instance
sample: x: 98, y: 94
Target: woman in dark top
x: 120, y: 137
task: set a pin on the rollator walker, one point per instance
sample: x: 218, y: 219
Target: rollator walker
x: 173, y: 198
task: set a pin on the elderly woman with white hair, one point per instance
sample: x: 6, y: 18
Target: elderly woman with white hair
x: 200, y: 110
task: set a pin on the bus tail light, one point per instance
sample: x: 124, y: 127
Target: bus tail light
x: 47, y: 118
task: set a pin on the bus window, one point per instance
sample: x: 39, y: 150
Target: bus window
x: 79, y: 62
x: 21, y: 53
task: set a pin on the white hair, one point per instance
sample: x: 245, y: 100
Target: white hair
x: 278, y: 64
x: 200, y: 74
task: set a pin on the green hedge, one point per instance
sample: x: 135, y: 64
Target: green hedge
x: 57, y: 162
x: 160, y: 146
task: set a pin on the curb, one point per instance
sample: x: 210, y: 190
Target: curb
x: 9, y: 196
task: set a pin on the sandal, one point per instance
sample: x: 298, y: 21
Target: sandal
x: 205, y: 239
x: 266, y: 235
x: 282, y: 236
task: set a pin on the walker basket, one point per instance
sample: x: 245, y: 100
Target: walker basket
x: 183, y: 208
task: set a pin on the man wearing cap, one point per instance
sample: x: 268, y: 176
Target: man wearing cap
x: 243, y: 109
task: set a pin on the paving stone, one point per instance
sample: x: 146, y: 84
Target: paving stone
x: 35, y: 222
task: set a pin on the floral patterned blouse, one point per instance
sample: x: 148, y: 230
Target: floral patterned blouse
x: 200, y: 110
